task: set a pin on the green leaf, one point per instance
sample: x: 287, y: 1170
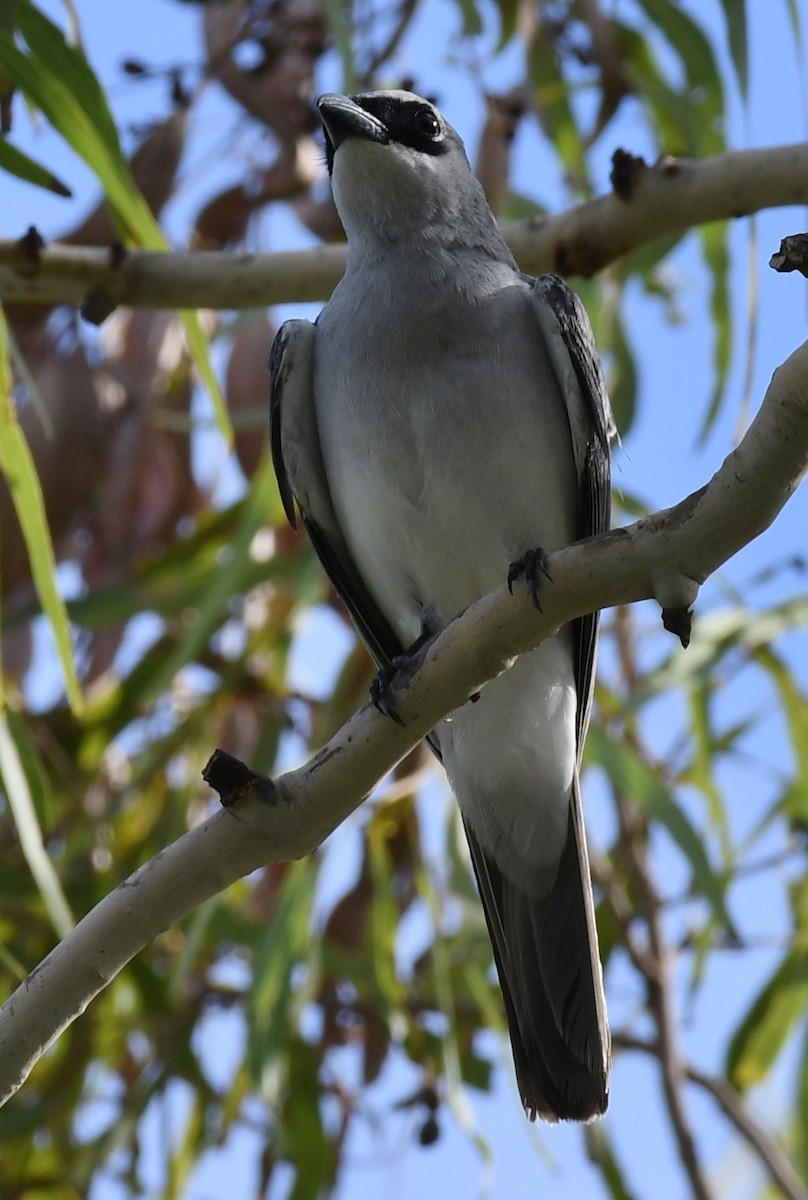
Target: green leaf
x: 761, y: 1034
x: 227, y: 581
x: 704, y: 93
x: 555, y: 111
x: 342, y: 36
x: 20, y: 800
x: 714, y: 242
x: 737, y: 36
x: 19, y: 164
x: 383, y: 916
x: 57, y: 78
x: 644, y: 787
x: 472, y: 20
x: 198, y: 346
x: 519, y: 207
x: 304, y: 1140
x: 18, y: 467
x: 702, y: 770
x: 795, y: 709
x: 600, y: 1150
x: 183, y: 1159
x: 285, y: 942
x: 800, y: 1129
x: 508, y: 16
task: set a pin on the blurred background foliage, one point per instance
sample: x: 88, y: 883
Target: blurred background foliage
x: 353, y: 991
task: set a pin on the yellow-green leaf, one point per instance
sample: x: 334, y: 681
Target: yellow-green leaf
x: 19, y: 164
x: 760, y: 1036
x: 21, y: 803
x: 285, y: 942
x: 637, y: 780
x: 197, y: 344
x: 57, y: 79
x: 737, y: 36
x: 18, y: 467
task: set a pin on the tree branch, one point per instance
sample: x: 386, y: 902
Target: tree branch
x: 731, y: 1104
x: 666, y: 555
x: 655, y: 201
x: 658, y: 982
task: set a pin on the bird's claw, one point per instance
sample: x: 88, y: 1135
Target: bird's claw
x: 381, y: 691
x: 533, y: 565
x: 400, y: 669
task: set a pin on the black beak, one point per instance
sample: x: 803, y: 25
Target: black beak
x: 343, y: 118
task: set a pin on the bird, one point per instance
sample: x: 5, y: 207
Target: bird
x: 441, y: 427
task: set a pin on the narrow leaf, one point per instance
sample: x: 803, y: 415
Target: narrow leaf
x: 57, y: 78
x: 761, y: 1034
x: 18, y: 467
x: 795, y: 710
x: 555, y: 111
x: 704, y: 94
x: 601, y: 1151
x: 383, y: 921
x: 737, y: 36
x: 714, y: 242
x: 284, y: 943
x: 800, y: 1127
x: 341, y: 33
x: 21, y: 804
x: 225, y: 582
x: 641, y: 783
x: 305, y: 1140
x: 19, y: 164
x: 197, y: 344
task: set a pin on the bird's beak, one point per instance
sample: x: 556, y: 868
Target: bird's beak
x: 343, y: 118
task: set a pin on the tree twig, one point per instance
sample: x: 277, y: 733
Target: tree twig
x: 660, y: 998
x: 768, y: 1150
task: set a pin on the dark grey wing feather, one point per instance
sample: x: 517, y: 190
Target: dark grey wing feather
x: 280, y: 364
x: 545, y: 946
x: 593, y: 427
x: 374, y: 630
x: 301, y: 477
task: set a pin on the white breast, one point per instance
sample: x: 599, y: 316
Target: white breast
x: 447, y: 451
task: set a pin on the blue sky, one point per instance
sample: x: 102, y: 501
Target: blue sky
x: 660, y: 461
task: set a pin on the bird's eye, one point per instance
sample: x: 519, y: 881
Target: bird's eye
x: 425, y: 123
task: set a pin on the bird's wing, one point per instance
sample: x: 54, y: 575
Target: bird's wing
x: 571, y: 345
x: 546, y: 946
x: 301, y: 476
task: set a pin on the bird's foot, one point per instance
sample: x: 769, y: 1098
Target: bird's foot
x: 395, y: 674
x: 382, y: 690
x: 533, y: 565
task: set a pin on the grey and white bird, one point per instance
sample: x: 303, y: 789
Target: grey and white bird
x: 444, y: 418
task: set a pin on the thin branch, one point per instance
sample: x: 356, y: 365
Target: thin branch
x: 665, y: 556
x: 768, y: 1150
x: 405, y: 14
x: 659, y: 983
x: 668, y: 197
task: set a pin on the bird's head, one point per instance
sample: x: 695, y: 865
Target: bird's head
x: 399, y: 171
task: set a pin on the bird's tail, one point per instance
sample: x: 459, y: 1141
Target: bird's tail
x: 546, y: 952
